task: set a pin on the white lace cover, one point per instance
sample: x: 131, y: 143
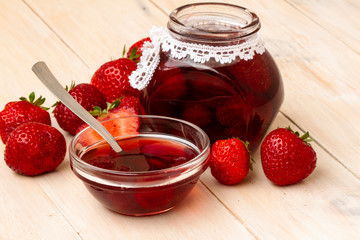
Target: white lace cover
x: 160, y: 37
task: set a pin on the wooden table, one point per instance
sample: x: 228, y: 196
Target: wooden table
x: 316, y: 46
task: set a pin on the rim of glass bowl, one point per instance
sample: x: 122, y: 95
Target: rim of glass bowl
x: 191, y: 164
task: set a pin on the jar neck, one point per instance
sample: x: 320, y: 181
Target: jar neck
x: 213, y: 23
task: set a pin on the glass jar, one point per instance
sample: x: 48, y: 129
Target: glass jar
x: 211, y: 68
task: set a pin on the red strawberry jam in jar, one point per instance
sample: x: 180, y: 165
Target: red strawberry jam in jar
x: 159, y: 165
x: 210, y: 67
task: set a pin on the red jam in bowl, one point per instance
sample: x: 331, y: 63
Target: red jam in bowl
x: 151, y: 175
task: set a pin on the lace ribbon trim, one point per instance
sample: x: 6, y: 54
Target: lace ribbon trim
x: 161, y: 38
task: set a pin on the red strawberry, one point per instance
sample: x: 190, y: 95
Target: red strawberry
x: 34, y: 148
x: 134, y: 51
x: 112, y: 79
x: 287, y: 158
x: 17, y: 113
x: 88, y: 96
x: 230, y: 161
x: 121, y: 126
x: 117, y: 127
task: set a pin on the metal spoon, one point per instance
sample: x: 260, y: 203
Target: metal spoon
x: 48, y: 79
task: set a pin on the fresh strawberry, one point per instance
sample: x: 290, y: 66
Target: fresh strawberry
x: 198, y: 114
x: 88, y: 96
x: 118, y: 126
x: 112, y: 79
x: 230, y: 161
x: 34, y: 148
x: 121, y: 126
x: 287, y: 158
x: 19, y: 112
x: 135, y: 49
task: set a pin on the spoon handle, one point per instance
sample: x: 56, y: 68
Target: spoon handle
x: 47, y: 78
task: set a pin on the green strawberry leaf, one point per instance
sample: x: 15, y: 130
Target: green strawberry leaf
x: 72, y: 85
x: 55, y: 104
x: 38, y: 102
x: 305, y: 137
x: 97, y: 111
x: 31, y: 97
x: 252, y: 160
x: 124, y: 51
x: 133, y: 56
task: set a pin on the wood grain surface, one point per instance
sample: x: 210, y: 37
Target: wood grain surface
x: 316, y: 46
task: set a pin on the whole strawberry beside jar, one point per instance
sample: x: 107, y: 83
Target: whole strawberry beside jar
x: 211, y: 56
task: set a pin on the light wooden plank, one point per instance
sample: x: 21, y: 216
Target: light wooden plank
x: 97, y: 30
x: 320, y: 76
x: 26, y: 212
x: 24, y: 40
x: 329, y: 196
x: 340, y: 18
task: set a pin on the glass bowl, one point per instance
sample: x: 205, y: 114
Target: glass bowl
x: 161, y: 161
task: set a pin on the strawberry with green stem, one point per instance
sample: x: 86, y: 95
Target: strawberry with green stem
x: 287, y: 157
x: 230, y: 161
x: 112, y: 78
x: 118, y: 126
x: 19, y: 112
x: 135, y: 51
x: 88, y: 96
